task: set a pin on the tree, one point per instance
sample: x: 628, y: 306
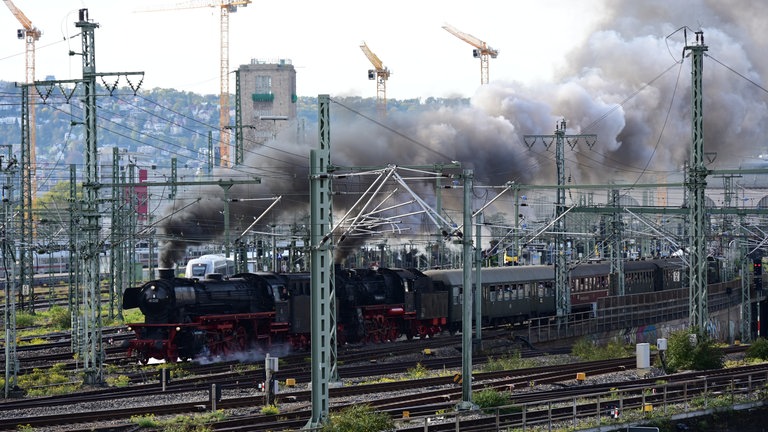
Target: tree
x: 52, y: 213
x: 692, y: 350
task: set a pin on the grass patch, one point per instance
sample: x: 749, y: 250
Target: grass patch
x: 508, y: 362
x: 53, y: 381
x: 587, y: 350
x: 180, y: 423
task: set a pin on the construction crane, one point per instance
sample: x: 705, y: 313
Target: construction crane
x: 226, y: 7
x: 482, y: 50
x: 380, y: 74
x: 30, y: 34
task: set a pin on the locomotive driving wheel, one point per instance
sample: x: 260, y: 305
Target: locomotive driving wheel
x: 239, y: 339
x: 216, y: 344
x: 392, y: 331
x: 375, y: 329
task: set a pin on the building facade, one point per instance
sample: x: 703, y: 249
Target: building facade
x: 267, y: 99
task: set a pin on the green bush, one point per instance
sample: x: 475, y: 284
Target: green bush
x: 418, y: 372
x: 119, y: 381
x: 489, y: 398
x: 758, y: 349
x: 59, y: 317
x: 270, y: 410
x: 358, y: 418
x: 24, y: 319
x: 684, y: 355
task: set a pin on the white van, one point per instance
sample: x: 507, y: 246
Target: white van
x: 206, y: 264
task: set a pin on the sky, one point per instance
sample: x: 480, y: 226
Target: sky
x: 616, y: 68
x: 180, y: 48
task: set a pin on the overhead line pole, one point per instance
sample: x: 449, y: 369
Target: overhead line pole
x: 322, y: 298
x: 563, y: 296
x: 697, y: 183
x: 91, y: 348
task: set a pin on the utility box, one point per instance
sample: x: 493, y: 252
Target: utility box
x: 643, y: 353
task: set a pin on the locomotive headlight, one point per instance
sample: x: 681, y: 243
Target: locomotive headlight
x: 178, y: 328
x: 129, y: 328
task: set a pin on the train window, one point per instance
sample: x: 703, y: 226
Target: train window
x: 198, y: 270
x: 492, y: 294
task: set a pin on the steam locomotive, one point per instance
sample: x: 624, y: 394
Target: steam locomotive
x: 216, y: 316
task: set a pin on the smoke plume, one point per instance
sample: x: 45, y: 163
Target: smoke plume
x: 628, y: 82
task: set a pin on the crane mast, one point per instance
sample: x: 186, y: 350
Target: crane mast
x: 30, y: 34
x: 225, y: 7
x: 481, y: 51
x: 381, y: 75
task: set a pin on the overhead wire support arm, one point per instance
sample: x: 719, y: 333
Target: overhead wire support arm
x: 363, y: 218
x: 377, y: 185
x: 666, y: 236
x: 261, y: 216
x: 506, y: 187
x: 434, y: 216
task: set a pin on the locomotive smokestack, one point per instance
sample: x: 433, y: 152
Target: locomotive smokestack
x: 166, y: 273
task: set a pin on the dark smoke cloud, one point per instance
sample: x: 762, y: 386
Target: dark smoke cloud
x: 614, y: 85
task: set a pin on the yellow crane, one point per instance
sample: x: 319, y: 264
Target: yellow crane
x: 481, y: 51
x: 381, y: 75
x: 30, y: 34
x: 226, y: 7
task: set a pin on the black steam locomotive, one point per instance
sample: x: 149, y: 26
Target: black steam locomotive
x: 216, y: 316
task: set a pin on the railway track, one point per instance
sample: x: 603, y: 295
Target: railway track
x: 445, y: 390
x: 422, y: 398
